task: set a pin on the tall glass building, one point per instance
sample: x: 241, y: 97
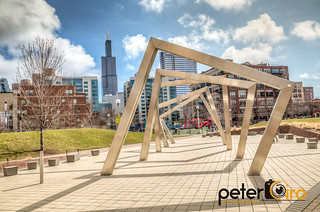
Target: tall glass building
x: 173, y: 62
x: 87, y: 85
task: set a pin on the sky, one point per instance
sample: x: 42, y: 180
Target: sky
x: 279, y: 32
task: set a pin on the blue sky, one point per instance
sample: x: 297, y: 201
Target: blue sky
x: 285, y: 32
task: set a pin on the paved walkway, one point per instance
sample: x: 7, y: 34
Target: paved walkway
x: 185, y: 177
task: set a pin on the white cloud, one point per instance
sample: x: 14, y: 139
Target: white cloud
x: 77, y: 61
x: 130, y: 67
x: 7, y: 68
x: 307, y: 30
x: 228, y: 4
x: 22, y: 21
x: 204, y: 24
x: 304, y: 76
x: 191, y: 41
x: 152, y: 5
x: 254, y: 55
x: 262, y: 29
x: 308, y: 76
x: 134, y: 45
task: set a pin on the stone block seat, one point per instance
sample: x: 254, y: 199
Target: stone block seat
x: 252, y: 133
x: 204, y: 135
x: 10, y: 170
x: 95, y: 152
x: 73, y: 157
x: 53, y: 162
x: 289, y: 136
x: 300, y: 139
x: 313, y: 140
x: 32, y: 165
x: 312, y: 145
x: 281, y: 135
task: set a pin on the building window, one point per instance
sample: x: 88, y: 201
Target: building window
x: 242, y: 94
x: 29, y: 92
x: 85, y: 90
x: 232, y: 94
x: 63, y: 101
x: 267, y: 70
x: 85, y: 82
x: 86, y: 86
x: 68, y: 92
x: 233, y: 102
x: 74, y: 101
x: 78, y: 110
x: 231, y: 76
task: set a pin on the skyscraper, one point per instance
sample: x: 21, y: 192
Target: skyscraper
x: 108, y: 69
x: 4, y: 86
x: 173, y: 62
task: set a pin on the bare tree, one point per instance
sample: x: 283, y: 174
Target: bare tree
x: 92, y: 117
x: 39, y: 70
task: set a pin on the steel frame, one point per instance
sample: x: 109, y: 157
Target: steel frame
x: 285, y: 87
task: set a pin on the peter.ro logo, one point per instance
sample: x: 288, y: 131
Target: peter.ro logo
x: 272, y: 190
x: 276, y: 190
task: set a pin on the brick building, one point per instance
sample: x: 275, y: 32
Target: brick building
x: 63, y: 106
x: 265, y: 96
x: 308, y: 93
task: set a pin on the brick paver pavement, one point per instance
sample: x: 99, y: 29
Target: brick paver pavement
x: 187, y: 176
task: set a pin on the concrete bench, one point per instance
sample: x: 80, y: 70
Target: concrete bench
x: 73, y: 157
x: 281, y: 135
x: 53, y: 162
x: 211, y: 134
x: 10, y: 170
x: 204, y: 135
x: 32, y: 165
x: 312, y: 145
x: 95, y: 152
x: 300, y: 139
x: 252, y: 133
x: 289, y: 136
x: 261, y: 132
x: 313, y: 140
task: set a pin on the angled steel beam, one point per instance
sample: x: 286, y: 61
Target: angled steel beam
x: 221, y: 64
x: 246, y: 122
x: 130, y: 109
x: 214, y: 115
x: 167, y: 131
x: 177, y: 82
x: 226, y: 112
x: 156, y: 131
x: 270, y: 131
x: 151, y: 117
x: 163, y: 135
x: 183, y: 97
x: 221, y: 80
x: 179, y: 106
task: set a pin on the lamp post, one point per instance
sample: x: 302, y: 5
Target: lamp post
x: 6, y: 113
x: 197, y: 107
x: 108, y: 121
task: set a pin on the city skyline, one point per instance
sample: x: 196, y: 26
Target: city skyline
x: 254, y: 31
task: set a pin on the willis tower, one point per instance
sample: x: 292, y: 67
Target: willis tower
x: 108, y: 69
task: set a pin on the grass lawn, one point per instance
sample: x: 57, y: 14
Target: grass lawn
x: 58, y: 141
x: 307, y: 123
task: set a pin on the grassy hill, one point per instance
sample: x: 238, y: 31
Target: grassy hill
x: 307, y: 123
x: 16, y: 145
